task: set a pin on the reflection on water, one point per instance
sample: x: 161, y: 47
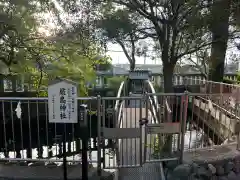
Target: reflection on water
x: 193, y: 139
x: 55, y: 149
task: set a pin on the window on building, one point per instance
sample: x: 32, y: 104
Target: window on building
x: 7, y: 85
x: 98, y: 81
x: 20, y: 85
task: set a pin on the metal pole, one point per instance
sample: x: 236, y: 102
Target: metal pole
x: 64, y: 154
x: 84, y: 154
x: 99, y: 171
x: 183, y: 126
x: 84, y: 124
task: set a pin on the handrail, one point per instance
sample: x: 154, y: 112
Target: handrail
x: 214, y: 104
x: 120, y: 115
x: 154, y: 101
x: 167, y: 106
x: 153, y: 110
x: 119, y: 94
x: 154, y: 96
x: 119, y: 111
x: 221, y: 109
x: 169, y: 111
x: 205, y: 80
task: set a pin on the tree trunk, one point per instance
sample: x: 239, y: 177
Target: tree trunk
x: 168, y: 68
x: 132, y: 66
x: 1, y: 83
x: 220, y: 34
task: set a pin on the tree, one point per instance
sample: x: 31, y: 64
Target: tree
x: 220, y: 12
x: 177, y: 27
x: 16, y: 26
x: 120, y: 26
x: 234, y: 59
x: 200, y: 61
x: 114, y: 82
x: 223, y: 15
x: 38, y: 58
x: 41, y: 65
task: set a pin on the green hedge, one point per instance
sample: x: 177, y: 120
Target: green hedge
x: 229, y: 81
x: 158, y: 88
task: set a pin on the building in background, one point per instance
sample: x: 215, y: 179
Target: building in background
x: 103, y: 72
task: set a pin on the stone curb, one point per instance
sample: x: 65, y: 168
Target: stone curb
x: 219, y: 163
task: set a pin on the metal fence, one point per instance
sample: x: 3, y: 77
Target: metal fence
x: 206, y: 123
x: 224, y: 97
x: 228, y: 92
x: 26, y: 134
x: 131, y: 135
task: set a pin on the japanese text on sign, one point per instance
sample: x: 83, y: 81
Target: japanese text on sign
x: 62, y: 103
x: 53, y: 112
x: 63, y: 106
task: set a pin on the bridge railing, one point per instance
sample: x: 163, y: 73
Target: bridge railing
x: 154, y: 104
x: 194, y: 78
x: 227, y: 94
x: 203, y: 128
x: 224, y: 101
x: 168, y: 110
x: 207, y: 124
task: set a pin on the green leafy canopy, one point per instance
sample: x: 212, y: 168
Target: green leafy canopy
x: 28, y: 53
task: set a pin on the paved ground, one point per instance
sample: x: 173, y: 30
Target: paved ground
x: 130, y: 152
x: 16, y: 172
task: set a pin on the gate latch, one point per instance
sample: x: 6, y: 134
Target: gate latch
x: 143, y: 121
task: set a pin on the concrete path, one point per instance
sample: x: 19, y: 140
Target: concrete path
x: 18, y: 172
x: 130, y: 152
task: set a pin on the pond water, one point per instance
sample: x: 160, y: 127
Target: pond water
x: 193, y: 139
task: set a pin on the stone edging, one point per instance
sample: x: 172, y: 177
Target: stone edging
x: 220, y: 163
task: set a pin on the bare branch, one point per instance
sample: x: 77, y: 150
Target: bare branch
x: 193, y: 50
x: 133, y: 50
x: 199, y: 67
x: 124, y: 50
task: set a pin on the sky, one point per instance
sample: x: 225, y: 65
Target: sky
x: 118, y: 56
x: 115, y: 51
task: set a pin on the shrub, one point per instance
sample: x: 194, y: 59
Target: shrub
x: 229, y: 81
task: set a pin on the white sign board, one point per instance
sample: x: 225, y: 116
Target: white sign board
x: 62, y: 102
